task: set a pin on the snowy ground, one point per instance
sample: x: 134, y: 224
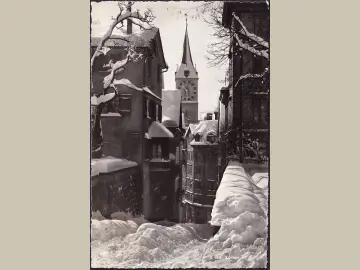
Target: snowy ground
x: 127, y: 242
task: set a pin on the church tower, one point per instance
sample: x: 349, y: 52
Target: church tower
x: 186, y: 79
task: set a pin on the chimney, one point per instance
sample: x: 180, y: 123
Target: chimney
x: 129, y: 21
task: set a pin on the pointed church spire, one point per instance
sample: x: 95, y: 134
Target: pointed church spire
x: 186, y: 59
x: 186, y: 68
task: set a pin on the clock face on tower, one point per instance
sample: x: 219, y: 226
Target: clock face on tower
x: 188, y: 90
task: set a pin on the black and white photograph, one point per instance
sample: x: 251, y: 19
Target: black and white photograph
x: 180, y: 134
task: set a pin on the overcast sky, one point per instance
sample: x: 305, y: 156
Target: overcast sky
x: 170, y: 19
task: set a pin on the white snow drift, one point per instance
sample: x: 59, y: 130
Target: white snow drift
x: 240, y: 209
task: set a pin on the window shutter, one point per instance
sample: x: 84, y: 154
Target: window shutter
x: 145, y: 107
x: 124, y: 103
x: 256, y: 110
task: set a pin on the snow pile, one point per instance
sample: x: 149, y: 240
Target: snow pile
x: 240, y: 208
x: 240, y: 243
x: 148, y: 245
x: 105, y: 230
x: 262, y: 181
x: 237, y: 194
x: 120, y: 225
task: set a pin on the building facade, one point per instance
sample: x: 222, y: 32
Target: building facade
x: 187, y: 79
x: 244, y: 104
x: 131, y: 122
x: 200, y: 172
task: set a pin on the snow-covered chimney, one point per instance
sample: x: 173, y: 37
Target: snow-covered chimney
x: 129, y: 22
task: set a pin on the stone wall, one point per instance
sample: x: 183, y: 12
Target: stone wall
x: 116, y: 192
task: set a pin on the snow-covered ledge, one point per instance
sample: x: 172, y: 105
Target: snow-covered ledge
x: 110, y: 164
x: 111, y: 114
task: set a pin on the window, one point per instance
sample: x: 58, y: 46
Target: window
x: 198, y: 186
x: 156, y: 151
x: 147, y: 108
x: 152, y: 110
x: 157, y: 112
x: 123, y: 104
x: 177, y: 156
x: 189, y: 169
x: 154, y: 47
x: 257, y: 65
x: 190, y: 155
x: 197, y: 172
x: 184, y: 171
x: 211, y: 186
x: 149, y: 65
x: 264, y: 110
x: 148, y: 149
x: 256, y: 111
x: 188, y: 213
x: 159, y: 79
x: 260, y: 110
x: 208, y: 215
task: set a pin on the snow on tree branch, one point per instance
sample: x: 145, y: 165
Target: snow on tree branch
x: 250, y: 48
x: 108, y: 81
x: 251, y: 36
x: 249, y: 75
x: 146, y: 19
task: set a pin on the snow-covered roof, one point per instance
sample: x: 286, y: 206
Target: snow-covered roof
x: 141, y: 38
x: 191, y: 128
x: 158, y: 130
x: 205, y: 126
x: 110, y: 164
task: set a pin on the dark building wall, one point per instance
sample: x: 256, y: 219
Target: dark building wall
x: 247, y: 108
x: 160, y: 192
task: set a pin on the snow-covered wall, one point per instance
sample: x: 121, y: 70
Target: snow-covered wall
x: 237, y: 193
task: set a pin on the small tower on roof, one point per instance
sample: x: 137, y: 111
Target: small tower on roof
x: 186, y: 79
